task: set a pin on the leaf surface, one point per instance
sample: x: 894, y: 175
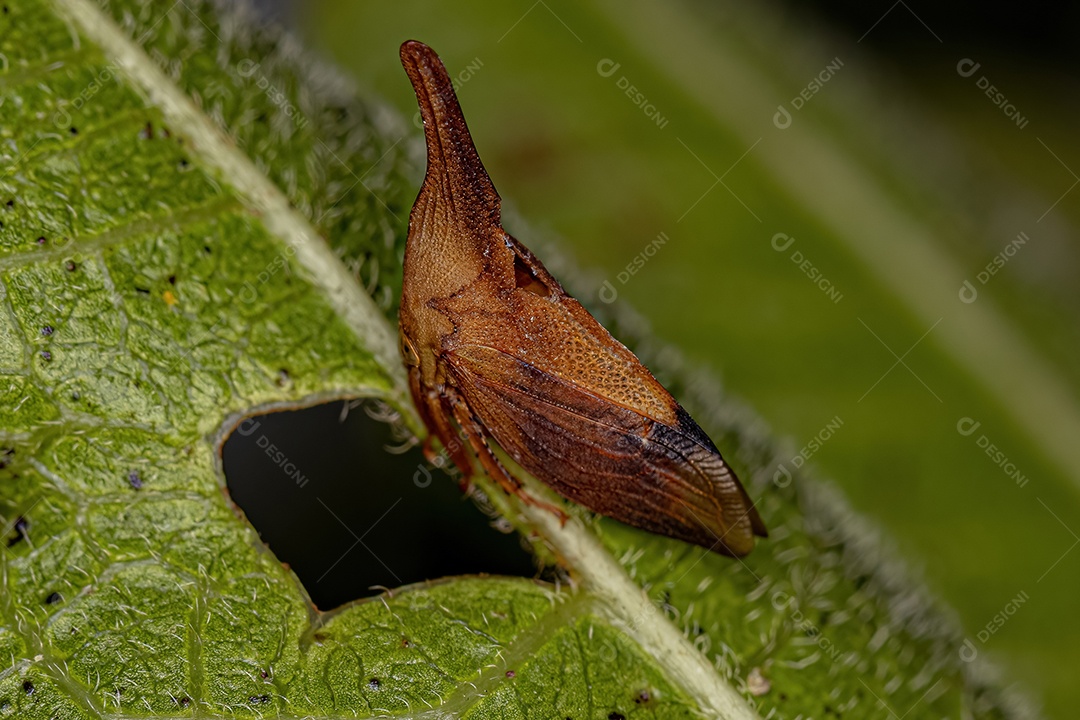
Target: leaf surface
x: 169, y: 178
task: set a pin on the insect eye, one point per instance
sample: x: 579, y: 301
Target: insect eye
x: 407, y: 351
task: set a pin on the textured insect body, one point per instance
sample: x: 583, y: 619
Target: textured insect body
x: 496, y: 348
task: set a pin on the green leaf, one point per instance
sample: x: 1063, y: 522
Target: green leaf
x: 179, y: 190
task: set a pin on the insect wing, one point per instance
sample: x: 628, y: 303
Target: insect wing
x: 604, y: 456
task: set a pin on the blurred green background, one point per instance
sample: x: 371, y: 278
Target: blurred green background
x: 896, y: 179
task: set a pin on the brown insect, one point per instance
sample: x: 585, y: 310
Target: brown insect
x: 496, y: 348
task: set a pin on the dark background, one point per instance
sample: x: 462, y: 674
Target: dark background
x: 365, y: 519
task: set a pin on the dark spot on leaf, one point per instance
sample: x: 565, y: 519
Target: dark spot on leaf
x: 41, y: 240
x: 134, y: 479
x: 511, y: 673
x: 142, y: 291
x: 259, y: 699
x: 616, y: 716
x: 283, y: 378
x: 783, y: 696
x: 46, y: 330
x: 263, y: 674
x: 643, y: 697
x: 374, y: 683
x: 76, y: 395
x: 73, y: 130
x: 19, y: 528
x: 184, y: 163
x: 206, y: 249
x: 147, y: 133
x: 5, y: 456
x: 185, y: 701
x: 71, y: 266
x: 46, y: 355
x: 172, y: 279
x: 28, y: 687
x: 405, y: 642
x: 319, y: 637
x: 53, y: 598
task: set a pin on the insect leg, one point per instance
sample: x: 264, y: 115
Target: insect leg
x: 444, y: 411
x: 436, y: 417
x: 494, y: 467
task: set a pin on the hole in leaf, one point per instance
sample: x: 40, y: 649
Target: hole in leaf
x: 347, y: 516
